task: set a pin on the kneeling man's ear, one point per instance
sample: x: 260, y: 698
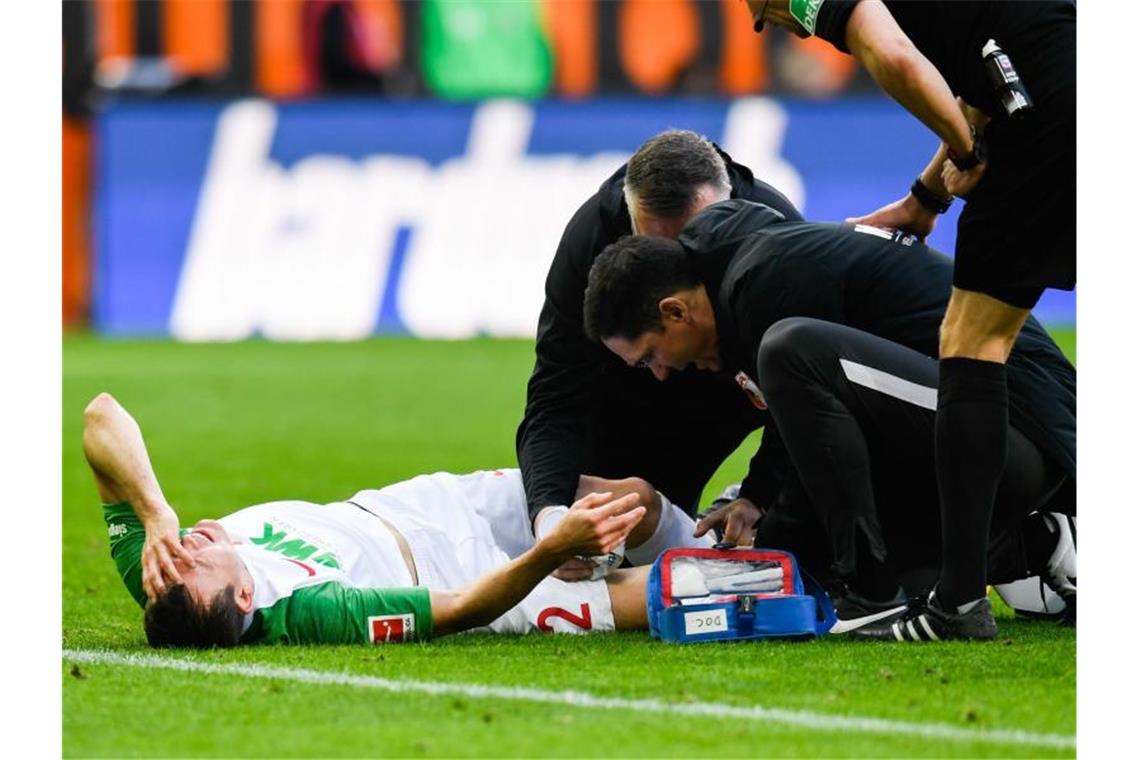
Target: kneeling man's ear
x: 673, y: 309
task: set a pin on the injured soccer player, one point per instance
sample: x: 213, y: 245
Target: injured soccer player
x: 429, y: 556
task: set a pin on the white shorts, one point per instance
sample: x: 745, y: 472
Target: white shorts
x: 460, y: 527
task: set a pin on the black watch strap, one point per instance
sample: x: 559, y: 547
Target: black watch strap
x: 929, y: 199
x: 976, y: 155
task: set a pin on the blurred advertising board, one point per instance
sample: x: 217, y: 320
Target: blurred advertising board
x: 336, y: 220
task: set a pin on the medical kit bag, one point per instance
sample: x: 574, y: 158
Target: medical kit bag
x: 722, y: 594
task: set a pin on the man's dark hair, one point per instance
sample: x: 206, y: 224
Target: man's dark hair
x: 666, y: 171
x: 627, y: 281
x: 175, y: 620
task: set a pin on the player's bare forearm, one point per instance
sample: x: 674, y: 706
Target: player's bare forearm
x: 113, y: 444
x: 114, y: 447
x: 906, y: 74
x: 492, y: 594
x: 594, y: 525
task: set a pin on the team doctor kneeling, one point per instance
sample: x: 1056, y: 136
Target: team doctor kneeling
x: 429, y: 556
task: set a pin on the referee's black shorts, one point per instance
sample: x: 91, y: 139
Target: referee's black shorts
x: 1017, y: 234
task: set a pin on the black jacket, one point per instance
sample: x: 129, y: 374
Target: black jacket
x: 571, y: 371
x: 759, y: 269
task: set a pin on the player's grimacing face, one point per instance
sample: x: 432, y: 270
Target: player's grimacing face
x: 217, y: 564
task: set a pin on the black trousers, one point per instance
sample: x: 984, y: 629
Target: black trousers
x: 856, y: 413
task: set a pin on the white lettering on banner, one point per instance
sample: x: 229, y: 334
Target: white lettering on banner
x: 753, y: 135
x: 304, y: 253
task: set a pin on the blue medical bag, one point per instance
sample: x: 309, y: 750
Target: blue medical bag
x: 728, y: 594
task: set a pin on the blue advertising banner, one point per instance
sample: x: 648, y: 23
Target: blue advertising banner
x: 337, y: 220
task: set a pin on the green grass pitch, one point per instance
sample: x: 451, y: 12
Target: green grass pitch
x: 232, y: 425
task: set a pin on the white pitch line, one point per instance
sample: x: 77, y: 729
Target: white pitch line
x: 804, y: 718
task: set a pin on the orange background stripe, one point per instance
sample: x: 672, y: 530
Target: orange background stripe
x: 196, y: 34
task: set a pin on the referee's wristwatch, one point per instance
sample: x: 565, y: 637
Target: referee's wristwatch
x: 977, y: 154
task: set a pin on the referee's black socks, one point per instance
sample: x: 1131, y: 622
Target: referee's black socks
x: 970, y: 444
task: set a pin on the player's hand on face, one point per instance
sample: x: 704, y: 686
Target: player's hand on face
x: 737, y: 521
x: 161, y: 547
x: 595, y: 525
x: 905, y: 214
x: 960, y: 183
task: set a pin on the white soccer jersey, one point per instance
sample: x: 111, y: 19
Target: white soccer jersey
x: 460, y: 527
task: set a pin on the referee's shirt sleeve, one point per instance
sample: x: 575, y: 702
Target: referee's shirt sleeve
x: 831, y: 22
x: 561, y: 391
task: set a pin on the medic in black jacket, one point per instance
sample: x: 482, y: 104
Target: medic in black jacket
x: 764, y: 268
x: 748, y: 269
x: 585, y: 410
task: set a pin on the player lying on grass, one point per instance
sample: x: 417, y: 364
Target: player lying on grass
x: 434, y: 555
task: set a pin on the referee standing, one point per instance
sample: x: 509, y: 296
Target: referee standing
x: 996, y: 81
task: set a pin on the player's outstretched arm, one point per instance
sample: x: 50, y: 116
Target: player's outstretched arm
x: 113, y: 444
x: 594, y: 525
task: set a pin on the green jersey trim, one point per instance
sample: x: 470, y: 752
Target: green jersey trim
x: 806, y: 12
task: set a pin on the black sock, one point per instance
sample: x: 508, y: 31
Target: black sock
x: 970, y: 443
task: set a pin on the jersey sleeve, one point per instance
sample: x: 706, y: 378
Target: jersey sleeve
x: 829, y: 22
x: 332, y: 613
x: 126, y: 533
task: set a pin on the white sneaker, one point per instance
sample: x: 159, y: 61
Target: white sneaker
x: 1062, y: 573
x: 1052, y: 593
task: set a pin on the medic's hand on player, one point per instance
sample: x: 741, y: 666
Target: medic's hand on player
x: 162, y: 545
x: 595, y: 525
x: 905, y: 214
x: 737, y: 519
x: 960, y: 183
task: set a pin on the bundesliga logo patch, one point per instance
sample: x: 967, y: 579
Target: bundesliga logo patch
x: 751, y: 390
x: 389, y: 629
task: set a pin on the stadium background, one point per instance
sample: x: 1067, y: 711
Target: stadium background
x: 321, y: 169
x: 316, y: 170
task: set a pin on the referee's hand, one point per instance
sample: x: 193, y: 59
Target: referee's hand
x: 905, y: 214
x: 960, y: 183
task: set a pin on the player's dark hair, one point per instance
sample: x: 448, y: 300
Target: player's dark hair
x: 627, y: 281
x: 665, y: 173
x: 175, y: 620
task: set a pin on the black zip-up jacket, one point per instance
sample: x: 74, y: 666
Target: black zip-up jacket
x: 759, y: 268
x: 570, y: 371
